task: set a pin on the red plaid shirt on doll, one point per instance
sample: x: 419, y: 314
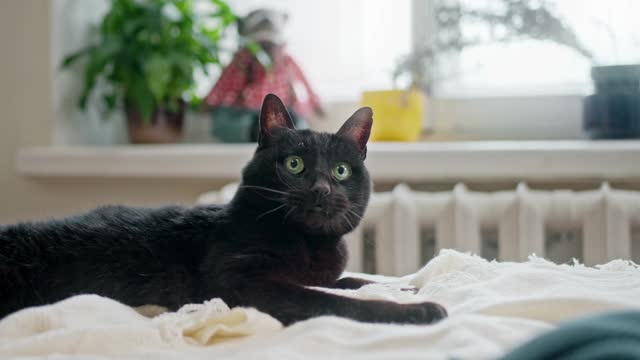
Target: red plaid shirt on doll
x: 245, y: 82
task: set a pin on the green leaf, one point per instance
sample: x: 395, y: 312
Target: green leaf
x: 95, y: 67
x: 71, y: 59
x: 183, y: 65
x: 142, y: 98
x: 224, y: 11
x: 110, y: 101
x: 157, y: 71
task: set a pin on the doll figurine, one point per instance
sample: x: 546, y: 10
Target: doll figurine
x: 236, y: 98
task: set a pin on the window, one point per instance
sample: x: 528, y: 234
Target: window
x: 350, y: 46
x: 608, y: 29
x: 524, y: 89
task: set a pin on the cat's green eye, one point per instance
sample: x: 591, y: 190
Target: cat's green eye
x: 294, y: 164
x: 341, y: 171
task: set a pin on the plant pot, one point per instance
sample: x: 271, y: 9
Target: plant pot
x: 399, y: 114
x: 164, y: 127
x: 240, y: 125
x: 233, y: 124
x: 613, y: 112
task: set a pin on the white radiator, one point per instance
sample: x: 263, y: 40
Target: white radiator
x: 403, y: 228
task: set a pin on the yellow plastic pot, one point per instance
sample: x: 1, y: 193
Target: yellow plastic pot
x: 397, y: 114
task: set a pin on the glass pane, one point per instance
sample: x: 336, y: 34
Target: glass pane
x: 606, y: 29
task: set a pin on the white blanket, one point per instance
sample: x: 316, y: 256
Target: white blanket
x: 493, y: 307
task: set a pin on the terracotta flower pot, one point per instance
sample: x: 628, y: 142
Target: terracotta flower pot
x: 164, y: 127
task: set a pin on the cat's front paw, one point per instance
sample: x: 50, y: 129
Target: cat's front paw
x: 390, y: 312
x: 409, y: 288
x: 423, y: 313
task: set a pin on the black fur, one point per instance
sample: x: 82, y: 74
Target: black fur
x: 280, y: 233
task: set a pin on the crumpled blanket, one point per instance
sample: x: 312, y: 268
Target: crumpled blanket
x: 493, y: 307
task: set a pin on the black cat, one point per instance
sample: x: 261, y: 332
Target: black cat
x: 299, y: 195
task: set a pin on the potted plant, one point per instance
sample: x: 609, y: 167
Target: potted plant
x: 145, y: 55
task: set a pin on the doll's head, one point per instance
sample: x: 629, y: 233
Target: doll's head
x: 264, y: 26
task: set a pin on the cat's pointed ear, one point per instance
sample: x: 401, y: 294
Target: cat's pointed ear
x: 274, y: 118
x: 358, y: 128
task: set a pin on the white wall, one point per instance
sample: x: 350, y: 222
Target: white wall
x: 26, y: 118
x: 71, y: 22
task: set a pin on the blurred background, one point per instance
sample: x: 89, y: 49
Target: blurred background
x: 146, y: 102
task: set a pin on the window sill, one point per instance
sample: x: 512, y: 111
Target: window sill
x: 424, y: 161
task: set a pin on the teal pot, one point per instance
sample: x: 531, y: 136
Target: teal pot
x: 240, y: 125
x: 613, y: 112
x: 234, y: 125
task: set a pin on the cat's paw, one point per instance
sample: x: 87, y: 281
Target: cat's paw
x: 409, y: 288
x: 423, y: 313
x: 417, y: 313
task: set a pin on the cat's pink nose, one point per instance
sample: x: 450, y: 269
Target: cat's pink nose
x: 321, y: 187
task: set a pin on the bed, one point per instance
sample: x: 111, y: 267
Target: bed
x: 494, y: 307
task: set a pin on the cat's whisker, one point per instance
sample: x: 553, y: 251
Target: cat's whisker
x: 263, y: 188
x: 276, y: 199
x: 359, y: 206
x: 289, y: 213
x: 348, y: 222
x: 270, y: 211
x: 354, y: 214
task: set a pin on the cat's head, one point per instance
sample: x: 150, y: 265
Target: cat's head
x: 314, y: 181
